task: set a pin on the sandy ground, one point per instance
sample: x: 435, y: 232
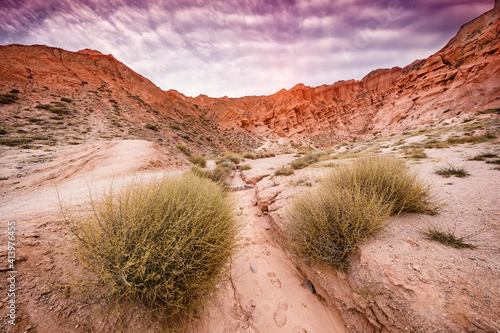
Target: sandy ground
x: 399, y: 280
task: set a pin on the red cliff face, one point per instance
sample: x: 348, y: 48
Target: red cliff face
x: 462, y: 77
x: 79, y: 96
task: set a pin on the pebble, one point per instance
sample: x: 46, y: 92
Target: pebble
x: 252, y: 267
x: 309, y: 286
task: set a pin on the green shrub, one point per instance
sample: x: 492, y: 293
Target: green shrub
x: 198, y: 160
x: 164, y: 243
x: 350, y: 204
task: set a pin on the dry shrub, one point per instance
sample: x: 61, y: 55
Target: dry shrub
x: 218, y: 175
x: 451, y: 170
x: 390, y: 178
x: 284, y: 171
x: 471, y: 139
x: 328, y: 223
x: 198, y: 160
x: 250, y: 156
x: 447, y: 237
x: 245, y: 167
x: 351, y: 204
x: 165, y: 243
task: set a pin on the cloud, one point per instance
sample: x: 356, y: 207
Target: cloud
x: 240, y: 48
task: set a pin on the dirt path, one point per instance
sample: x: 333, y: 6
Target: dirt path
x: 267, y: 285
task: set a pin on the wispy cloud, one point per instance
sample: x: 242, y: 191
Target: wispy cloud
x: 237, y: 48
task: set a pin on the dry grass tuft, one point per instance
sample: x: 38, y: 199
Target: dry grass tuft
x: 351, y: 204
x: 198, y: 160
x: 245, y: 167
x: 446, y: 237
x: 284, y: 171
x: 471, y: 139
x: 164, y: 243
x: 451, y: 170
x: 483, y: 156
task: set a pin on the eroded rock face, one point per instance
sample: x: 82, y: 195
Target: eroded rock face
x: 460, y: 78
x: 103, y: 97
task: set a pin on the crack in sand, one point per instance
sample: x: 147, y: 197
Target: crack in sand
x: 272, y: 293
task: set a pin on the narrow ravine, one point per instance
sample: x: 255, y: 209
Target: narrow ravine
x: 267, y: 286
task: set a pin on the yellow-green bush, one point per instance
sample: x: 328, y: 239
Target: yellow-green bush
x: 390, y: 178
x: 351, y: 204
x: 198, y: 160
x: 165, y: 243
x: 218, y: 175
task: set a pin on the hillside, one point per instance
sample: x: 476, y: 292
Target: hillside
x: 51, y: 96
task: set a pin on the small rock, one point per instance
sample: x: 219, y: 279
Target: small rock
x: 252, y: 267
x: 239, y: 213
x: 267, y: 228
x: 309, y: 286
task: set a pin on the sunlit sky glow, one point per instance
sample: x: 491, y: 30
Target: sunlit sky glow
x: 238, y: 47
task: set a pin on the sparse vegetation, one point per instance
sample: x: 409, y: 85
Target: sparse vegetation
x: 415, y: 153
x: 198, y: 160
x: 471, y: 139
x: 245, y: 167
x: 308, y: 159
x: 446, y: 237
x: 152, y: 127
x: 9, y: 98
x: 184, y: 149
x: 250, y: 156
x: 284, y: 171
x: 218, y: 175
x: 483, y: 156
x: 451, y: 170
x: 66, y: 99
x: 164, y: 243
x: 489, y: 111
x: 351, y: 204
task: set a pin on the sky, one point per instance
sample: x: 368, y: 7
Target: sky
x: 243, y: 47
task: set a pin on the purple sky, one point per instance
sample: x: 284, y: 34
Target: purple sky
x: 243, y: 47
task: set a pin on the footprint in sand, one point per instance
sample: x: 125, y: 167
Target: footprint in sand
x: 274, y: 280
x: 280, y: 314
x: 266, y: 251
x: 257, y: 290
x: 298, y: 329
